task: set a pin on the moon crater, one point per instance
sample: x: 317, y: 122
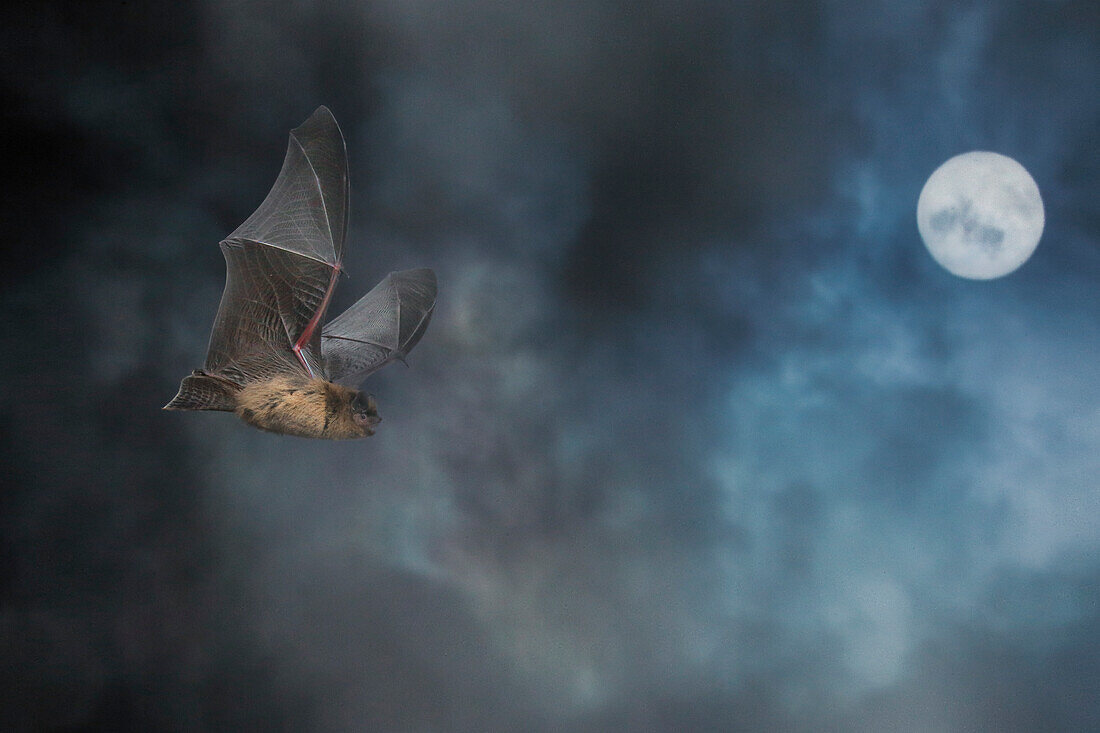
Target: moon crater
x: 980, y: 215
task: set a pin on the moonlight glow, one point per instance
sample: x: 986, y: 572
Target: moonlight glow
x: 980, y: 215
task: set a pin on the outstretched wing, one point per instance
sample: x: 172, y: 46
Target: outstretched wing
x: 283, y: 262
x: 383, y: 325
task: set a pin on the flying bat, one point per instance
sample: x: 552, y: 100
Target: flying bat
x: 272, y: 359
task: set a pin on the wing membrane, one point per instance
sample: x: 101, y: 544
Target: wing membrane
x: 282, y: 262
x: 382, y: 326
x: 306, y: 211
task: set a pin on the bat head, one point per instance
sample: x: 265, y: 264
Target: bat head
x: 364, y: 411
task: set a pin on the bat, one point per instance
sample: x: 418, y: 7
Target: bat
x: 272, y: 359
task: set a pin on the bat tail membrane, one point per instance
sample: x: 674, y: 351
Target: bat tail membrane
x: 200, y: 391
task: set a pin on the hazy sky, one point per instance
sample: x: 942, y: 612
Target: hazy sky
x: 700, y: 437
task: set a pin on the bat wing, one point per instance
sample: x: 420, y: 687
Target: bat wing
x: 382, y: 326
x: 283, y: 261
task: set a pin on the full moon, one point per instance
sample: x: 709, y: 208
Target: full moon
x: 980, y: 215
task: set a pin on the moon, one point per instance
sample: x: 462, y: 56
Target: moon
x: 980, y: 215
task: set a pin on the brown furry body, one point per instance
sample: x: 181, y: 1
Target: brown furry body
x: 310, y: 408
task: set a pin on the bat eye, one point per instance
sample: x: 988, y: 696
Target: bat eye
x: 364, y: 419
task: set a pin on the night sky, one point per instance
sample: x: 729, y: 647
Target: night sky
x: 700, y: 437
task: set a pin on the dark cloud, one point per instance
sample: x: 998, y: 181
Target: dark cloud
x: 700, y: 437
